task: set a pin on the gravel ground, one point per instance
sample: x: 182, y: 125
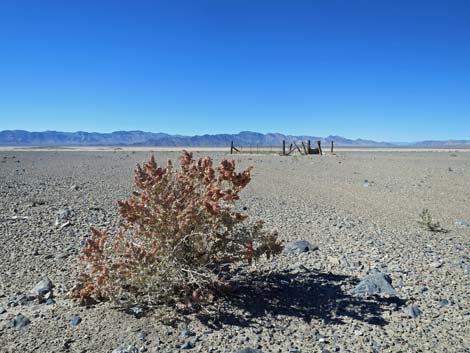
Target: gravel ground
x: 359, y: 208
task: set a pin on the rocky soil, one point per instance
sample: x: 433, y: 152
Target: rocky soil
x: 358, y: 211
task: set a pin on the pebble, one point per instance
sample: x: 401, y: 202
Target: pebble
x: 413, y: 311
x: 299, y: 246
x: 130, y: 349
x: 334, y: 260
x: 66, y: 224
x: 2, y: 310
x: 42, y: 287
x: 137, y: 311
x: 187, y: 333
x: 463, y: 223
x: 74, y: 320
x: 63, y: 215
x: 187, y: 345
x: 249, y: 350
x: 358, y: 333
x: 18, y: 322
x: 143, y: 336
x: 444, y: 302
x: 21, y: 299
x: 436, y: 264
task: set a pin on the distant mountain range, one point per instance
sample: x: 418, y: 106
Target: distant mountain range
x: 141, y: 138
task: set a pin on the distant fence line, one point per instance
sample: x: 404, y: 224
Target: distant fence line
x: 255, y: 149
x: 299, y: 146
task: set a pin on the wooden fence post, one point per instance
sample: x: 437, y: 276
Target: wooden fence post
x: 283, y: 147
x: 331, y: 146
x: 309, y: 147
x: 231, y: 148
x: 298, y: 148
x: 319, y: 148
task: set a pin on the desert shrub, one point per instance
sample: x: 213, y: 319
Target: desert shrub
x: 180, y: 228
x: 426, y: 222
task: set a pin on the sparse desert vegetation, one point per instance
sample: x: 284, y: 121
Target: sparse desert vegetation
x: 356, y: 275
x: 428, y: 223
x: 180, y: 228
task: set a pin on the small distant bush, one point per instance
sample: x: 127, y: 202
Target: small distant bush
x: 37, y: 201
x: 426, y: 222
x: 180, y: 229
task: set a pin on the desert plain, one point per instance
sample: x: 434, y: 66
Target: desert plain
x: 359, y: 210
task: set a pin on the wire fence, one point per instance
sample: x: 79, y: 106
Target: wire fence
x: 257, y: 149
x: 299, y: 146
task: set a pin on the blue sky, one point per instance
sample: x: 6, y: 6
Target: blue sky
x: 386, y: 70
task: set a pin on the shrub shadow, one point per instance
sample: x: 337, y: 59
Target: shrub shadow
x: 307, y: 295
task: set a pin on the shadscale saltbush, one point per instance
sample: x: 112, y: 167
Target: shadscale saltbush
x: 179, y: 229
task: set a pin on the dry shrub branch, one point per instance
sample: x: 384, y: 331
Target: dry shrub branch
x: 179, y: 227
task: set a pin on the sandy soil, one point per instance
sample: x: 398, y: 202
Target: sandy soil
x: 359, y: 208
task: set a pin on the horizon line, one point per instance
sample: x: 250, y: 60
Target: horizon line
x: 240, y: 132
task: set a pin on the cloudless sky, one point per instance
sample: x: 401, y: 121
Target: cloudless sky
x: 381, y: 69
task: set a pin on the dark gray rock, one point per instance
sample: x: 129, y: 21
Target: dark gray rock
x: 423, y: 289
x: 187, y: 345
x: 21, y: 299
x: 444, y: 302
x: 375, y: 283
x: 75, y: 320
x: 299, y: 246
x: 413, y: 311
x: 18, y: 322
x: 249, y: 350
x: 42, y: 288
